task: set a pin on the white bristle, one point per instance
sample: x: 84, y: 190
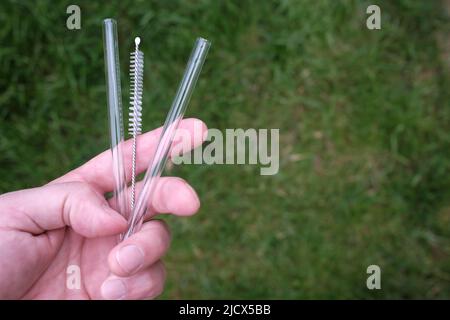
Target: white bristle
x: 135, y: 114
x: 136, y: 77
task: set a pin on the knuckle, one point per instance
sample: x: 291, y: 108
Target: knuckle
x: 164, y: 235
x: 164, y: 226
x: 76, y: 205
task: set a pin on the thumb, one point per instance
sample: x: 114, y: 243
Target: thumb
x: 54, y: 206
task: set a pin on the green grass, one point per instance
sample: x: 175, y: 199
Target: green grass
x: 364, y: 119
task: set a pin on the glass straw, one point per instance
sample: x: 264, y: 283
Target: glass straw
x: 173, y: 119
x: 114, y: 97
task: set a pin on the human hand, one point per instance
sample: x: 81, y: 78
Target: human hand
x: 69, y: 222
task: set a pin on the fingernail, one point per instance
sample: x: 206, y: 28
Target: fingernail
x: 113, y: 289
x: 130, y: 258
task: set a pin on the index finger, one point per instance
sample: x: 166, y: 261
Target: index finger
x: 98, y: 170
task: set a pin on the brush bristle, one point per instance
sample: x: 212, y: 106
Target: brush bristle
x: 136, y: 77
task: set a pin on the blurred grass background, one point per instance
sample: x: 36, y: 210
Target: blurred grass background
x: 364, y: 121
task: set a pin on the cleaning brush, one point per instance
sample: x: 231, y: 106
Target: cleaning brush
x: 173, y: 119
x: 135, y: 114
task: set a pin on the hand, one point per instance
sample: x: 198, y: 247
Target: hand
x: 68, y: 222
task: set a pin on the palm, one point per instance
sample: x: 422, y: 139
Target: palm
x: 71, y: 249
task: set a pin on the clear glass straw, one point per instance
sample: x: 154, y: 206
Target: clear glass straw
x: 114, y: 97
x: 173, y: 119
